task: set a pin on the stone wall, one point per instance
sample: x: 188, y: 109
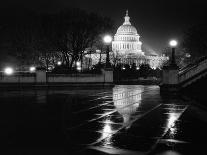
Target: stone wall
x: 41, y: 77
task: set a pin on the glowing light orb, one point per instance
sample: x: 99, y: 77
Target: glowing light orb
x: 137, y: 68
x: 173, y: 43
x: 123, y: 68
x: 78, y: 68
x: 59, y: 63
x: 107, y: 39
x: 8, y: 71
x: 32, y: 69
x: 78, y: 63
x: 187, y: 55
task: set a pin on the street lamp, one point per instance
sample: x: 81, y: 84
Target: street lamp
x: 8, y: 71
x: 173, y: 44
x: 32, y: 69
x: 107, y: 40
x: 59, y: 63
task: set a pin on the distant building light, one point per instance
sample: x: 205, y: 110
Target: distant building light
x: 59, y: 63
x: 187, y: 55
x: 8, y: 71
x: 78, y: 63
x: 32, y: 69
x: 79, y: 68
x: 98, y: 51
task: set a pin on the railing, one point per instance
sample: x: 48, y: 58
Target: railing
x: 187, y: 73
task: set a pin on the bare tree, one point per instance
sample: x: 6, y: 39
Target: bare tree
x: 78, y: 30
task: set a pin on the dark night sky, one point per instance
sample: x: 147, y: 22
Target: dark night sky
x: 156, y: 20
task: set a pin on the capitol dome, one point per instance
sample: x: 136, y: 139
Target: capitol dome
x: 126, y: 40
x: 126, y: 28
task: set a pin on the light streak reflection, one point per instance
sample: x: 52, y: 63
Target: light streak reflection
x: 106, y: 133
x: 126, y: 101
x: 171, y: 128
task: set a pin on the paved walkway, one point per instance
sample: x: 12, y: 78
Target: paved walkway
x: 124, y: 120
x: 138, y: 122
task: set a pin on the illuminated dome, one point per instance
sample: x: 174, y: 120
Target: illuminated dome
x: 126, y: 28
x: 126, y: 40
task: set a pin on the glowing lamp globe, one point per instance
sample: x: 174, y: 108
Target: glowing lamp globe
x: 78, y: 63
x: 8, y: 71
x: 107, y: 39
x: 59, y: 63
x: 173, y: 43
x: 32, y: 69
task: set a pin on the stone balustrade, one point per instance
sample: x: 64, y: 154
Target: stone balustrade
x: 192, y: 73
x: 174, y: 79
x: 42, y: 77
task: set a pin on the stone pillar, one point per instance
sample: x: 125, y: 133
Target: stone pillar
x: 108, y: 75
x: 170, y: 83
x: 41, y: 76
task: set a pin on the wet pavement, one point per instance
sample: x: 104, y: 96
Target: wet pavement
x: 126, y: 119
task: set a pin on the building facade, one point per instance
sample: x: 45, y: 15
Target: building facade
x: 126, y: 40
x: 127, y: 49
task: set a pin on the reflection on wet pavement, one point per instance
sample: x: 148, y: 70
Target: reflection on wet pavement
x: 128, y: 119
x: 121, y: 121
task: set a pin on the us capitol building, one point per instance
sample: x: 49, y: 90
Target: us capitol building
x: 126, y: 45
x: 127, y: 48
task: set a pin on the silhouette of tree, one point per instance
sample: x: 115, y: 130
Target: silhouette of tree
x: 37, y: 38
x: 78, y: 30
x: 47, y: 51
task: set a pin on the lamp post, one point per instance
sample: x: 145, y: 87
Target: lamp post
x: 173, y: 44
x: 107, y: 40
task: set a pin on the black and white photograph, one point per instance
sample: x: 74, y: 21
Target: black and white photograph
x: 103, y: 77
